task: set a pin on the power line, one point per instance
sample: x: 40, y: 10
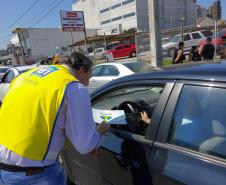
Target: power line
x: 33, y: 4
x: 37, y: 14
x: 41, y: 18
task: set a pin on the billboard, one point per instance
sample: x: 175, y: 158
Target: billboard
x: 72, y: 20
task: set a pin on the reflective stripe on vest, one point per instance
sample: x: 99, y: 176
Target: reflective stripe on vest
x: 30, y: 109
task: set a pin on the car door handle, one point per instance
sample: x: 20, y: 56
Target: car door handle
x: 93, y: 80
x: 126, y: 163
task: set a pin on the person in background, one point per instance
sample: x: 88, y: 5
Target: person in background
x: 194, y: 55
x: 53, y: 104
x: 179, y: 56
x: 208, y: 50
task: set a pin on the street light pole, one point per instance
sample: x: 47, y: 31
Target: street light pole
x: 155, y: 34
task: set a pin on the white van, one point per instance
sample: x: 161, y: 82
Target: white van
x: 190, y: 39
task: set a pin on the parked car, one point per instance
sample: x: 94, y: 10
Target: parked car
x: 7, y: 78
x: 3, y: 69
x: 98, y: 53
x: 190, y: 39
x: 106, y: 72
x: 185, y: 143
x: 123, y: 50
x: 218, y: 40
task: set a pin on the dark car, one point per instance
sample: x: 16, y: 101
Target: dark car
x: 185, y: 143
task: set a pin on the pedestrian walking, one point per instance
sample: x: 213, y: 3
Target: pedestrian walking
x: 208, y: 50
x: 194, y: 55
x: 42, y: 108
x: 179, y: 56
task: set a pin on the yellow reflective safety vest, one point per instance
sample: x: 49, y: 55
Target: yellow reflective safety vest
x: 30, y: 108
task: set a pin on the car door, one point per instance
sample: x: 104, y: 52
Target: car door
x: 197, y: 37
x: 190, y: 145
x: 122, y: 156
x: 106, y: 74
x: 187, y: 42
x: 5, y: 83
x: 118, y: 51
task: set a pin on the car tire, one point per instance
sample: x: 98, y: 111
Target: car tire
x: 133, y: 54
x: 171, y: 52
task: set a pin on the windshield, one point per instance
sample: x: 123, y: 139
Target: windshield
x: 176, y: 38
x: 139, y: 67
x: 3, y: 70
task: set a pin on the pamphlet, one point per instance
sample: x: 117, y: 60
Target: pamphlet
x: 109, y: 116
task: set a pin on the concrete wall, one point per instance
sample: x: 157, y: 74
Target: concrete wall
x: 44, y: 41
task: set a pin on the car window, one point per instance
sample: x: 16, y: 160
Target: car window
x: 8, y: 77
x: 175, y: 38
x: 109, y: 70
x: 187, y: 37
x: 96, y: 70
x: 207, y: 33
x: 199, y: 122
x: 127, y: 46
x: 119, y: 47
x: 132, y: 100
x: 196, y: 36
x: 138, y: 67
x: 3, y: 70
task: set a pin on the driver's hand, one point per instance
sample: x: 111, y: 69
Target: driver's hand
x: 102, y: 128
x: 145, y: 118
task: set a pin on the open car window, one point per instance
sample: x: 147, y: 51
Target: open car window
x: 132, y: 100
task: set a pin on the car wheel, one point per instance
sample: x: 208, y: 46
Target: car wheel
x: 171, y: 52
x: 133, y: 54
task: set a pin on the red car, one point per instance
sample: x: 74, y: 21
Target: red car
x: 123, y: 50
x: 218, y: 41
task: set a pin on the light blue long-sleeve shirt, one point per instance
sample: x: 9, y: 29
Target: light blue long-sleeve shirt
x: 75, y: 121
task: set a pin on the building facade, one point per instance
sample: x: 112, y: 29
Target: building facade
x: 216, y: 10
x: 126, y: 14
x: 202, y: 12
x: 45, y: 42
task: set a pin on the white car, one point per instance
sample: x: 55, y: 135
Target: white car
x: 7, y: 78
x: 98, y: 53
x: 103, y: 73
x: 3, y: 70
x: 190, y: 39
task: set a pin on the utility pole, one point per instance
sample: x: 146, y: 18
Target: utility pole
x: 155, y: 34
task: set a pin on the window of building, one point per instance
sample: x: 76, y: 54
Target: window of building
x: 116, y: 6
x: 105, y: 10
x: 132, y: 100
x: 128, y: 15
x: 105, y: 22
x: 199, y: 122
x: 116, y: 18
x: 127, y: 2
x: 196, y: 36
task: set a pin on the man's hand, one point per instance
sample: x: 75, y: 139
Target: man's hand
x: 145, y: 118
x: 102, y: 128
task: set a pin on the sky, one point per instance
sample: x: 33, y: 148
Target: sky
x: 12, y: 10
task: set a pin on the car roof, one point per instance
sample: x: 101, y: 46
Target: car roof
x: 207, y: 71
x: 4, y: 67
x: 204, y: 71
x: 26, y: 67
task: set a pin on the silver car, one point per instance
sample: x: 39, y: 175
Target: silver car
x: 7, y: 78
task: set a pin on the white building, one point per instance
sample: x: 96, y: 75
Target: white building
x: 44, y: 42
x: 134, y: 13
